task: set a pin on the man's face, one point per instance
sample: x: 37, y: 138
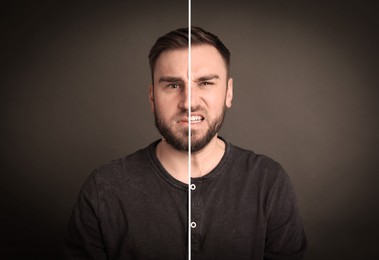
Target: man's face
x: 211, y: 94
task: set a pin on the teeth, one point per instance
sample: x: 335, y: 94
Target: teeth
x: 196, y: 118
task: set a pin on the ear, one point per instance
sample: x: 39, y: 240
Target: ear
x: 151, y: 97
x: 229, y: 93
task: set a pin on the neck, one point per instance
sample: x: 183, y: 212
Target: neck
x: 202, y: 162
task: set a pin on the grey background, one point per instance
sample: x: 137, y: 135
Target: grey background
x: 74, y: 81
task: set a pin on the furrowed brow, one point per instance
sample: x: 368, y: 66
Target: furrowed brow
x: 207, y: 77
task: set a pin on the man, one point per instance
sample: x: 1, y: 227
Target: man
x: 243, y: 205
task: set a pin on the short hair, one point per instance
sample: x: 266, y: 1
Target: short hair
x: 178, y: 39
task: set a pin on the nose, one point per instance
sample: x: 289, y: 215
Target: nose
x: 185, y: 102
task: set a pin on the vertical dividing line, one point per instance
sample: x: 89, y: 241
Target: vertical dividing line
x: 189, y: 130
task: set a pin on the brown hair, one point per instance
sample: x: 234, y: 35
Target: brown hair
x: 178, y: 39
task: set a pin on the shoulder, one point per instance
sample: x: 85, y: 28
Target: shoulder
x: 118, y: 166
x: 265, y: 174
x: 124, y: 169
x: 253, y: 161
x: 259, y: 168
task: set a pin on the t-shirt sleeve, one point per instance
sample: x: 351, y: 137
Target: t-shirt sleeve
x: 285, y: 237
x: 83, y: 239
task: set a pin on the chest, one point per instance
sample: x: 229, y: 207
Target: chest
x: 227, y: 219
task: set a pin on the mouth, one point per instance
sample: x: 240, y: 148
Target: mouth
x: 196, y: 119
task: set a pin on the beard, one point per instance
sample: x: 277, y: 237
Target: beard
x: 179, y: 139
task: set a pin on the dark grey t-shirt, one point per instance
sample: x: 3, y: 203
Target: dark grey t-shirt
x: 132, y: 208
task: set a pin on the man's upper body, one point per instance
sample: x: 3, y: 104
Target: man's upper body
x: 243, y: 205
x: 132, y: 208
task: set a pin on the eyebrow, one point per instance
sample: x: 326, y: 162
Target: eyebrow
x: 178, y: 79
x: 207, y: 77
x: 169, y: 79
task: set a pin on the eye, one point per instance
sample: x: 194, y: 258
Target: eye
x: 173, y: 86
x: 207, y: 83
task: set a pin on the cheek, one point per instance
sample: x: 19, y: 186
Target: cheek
x: 164, y: 108
x: 216, y: 103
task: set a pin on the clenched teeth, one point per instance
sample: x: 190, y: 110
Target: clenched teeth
x: 196, y: 118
